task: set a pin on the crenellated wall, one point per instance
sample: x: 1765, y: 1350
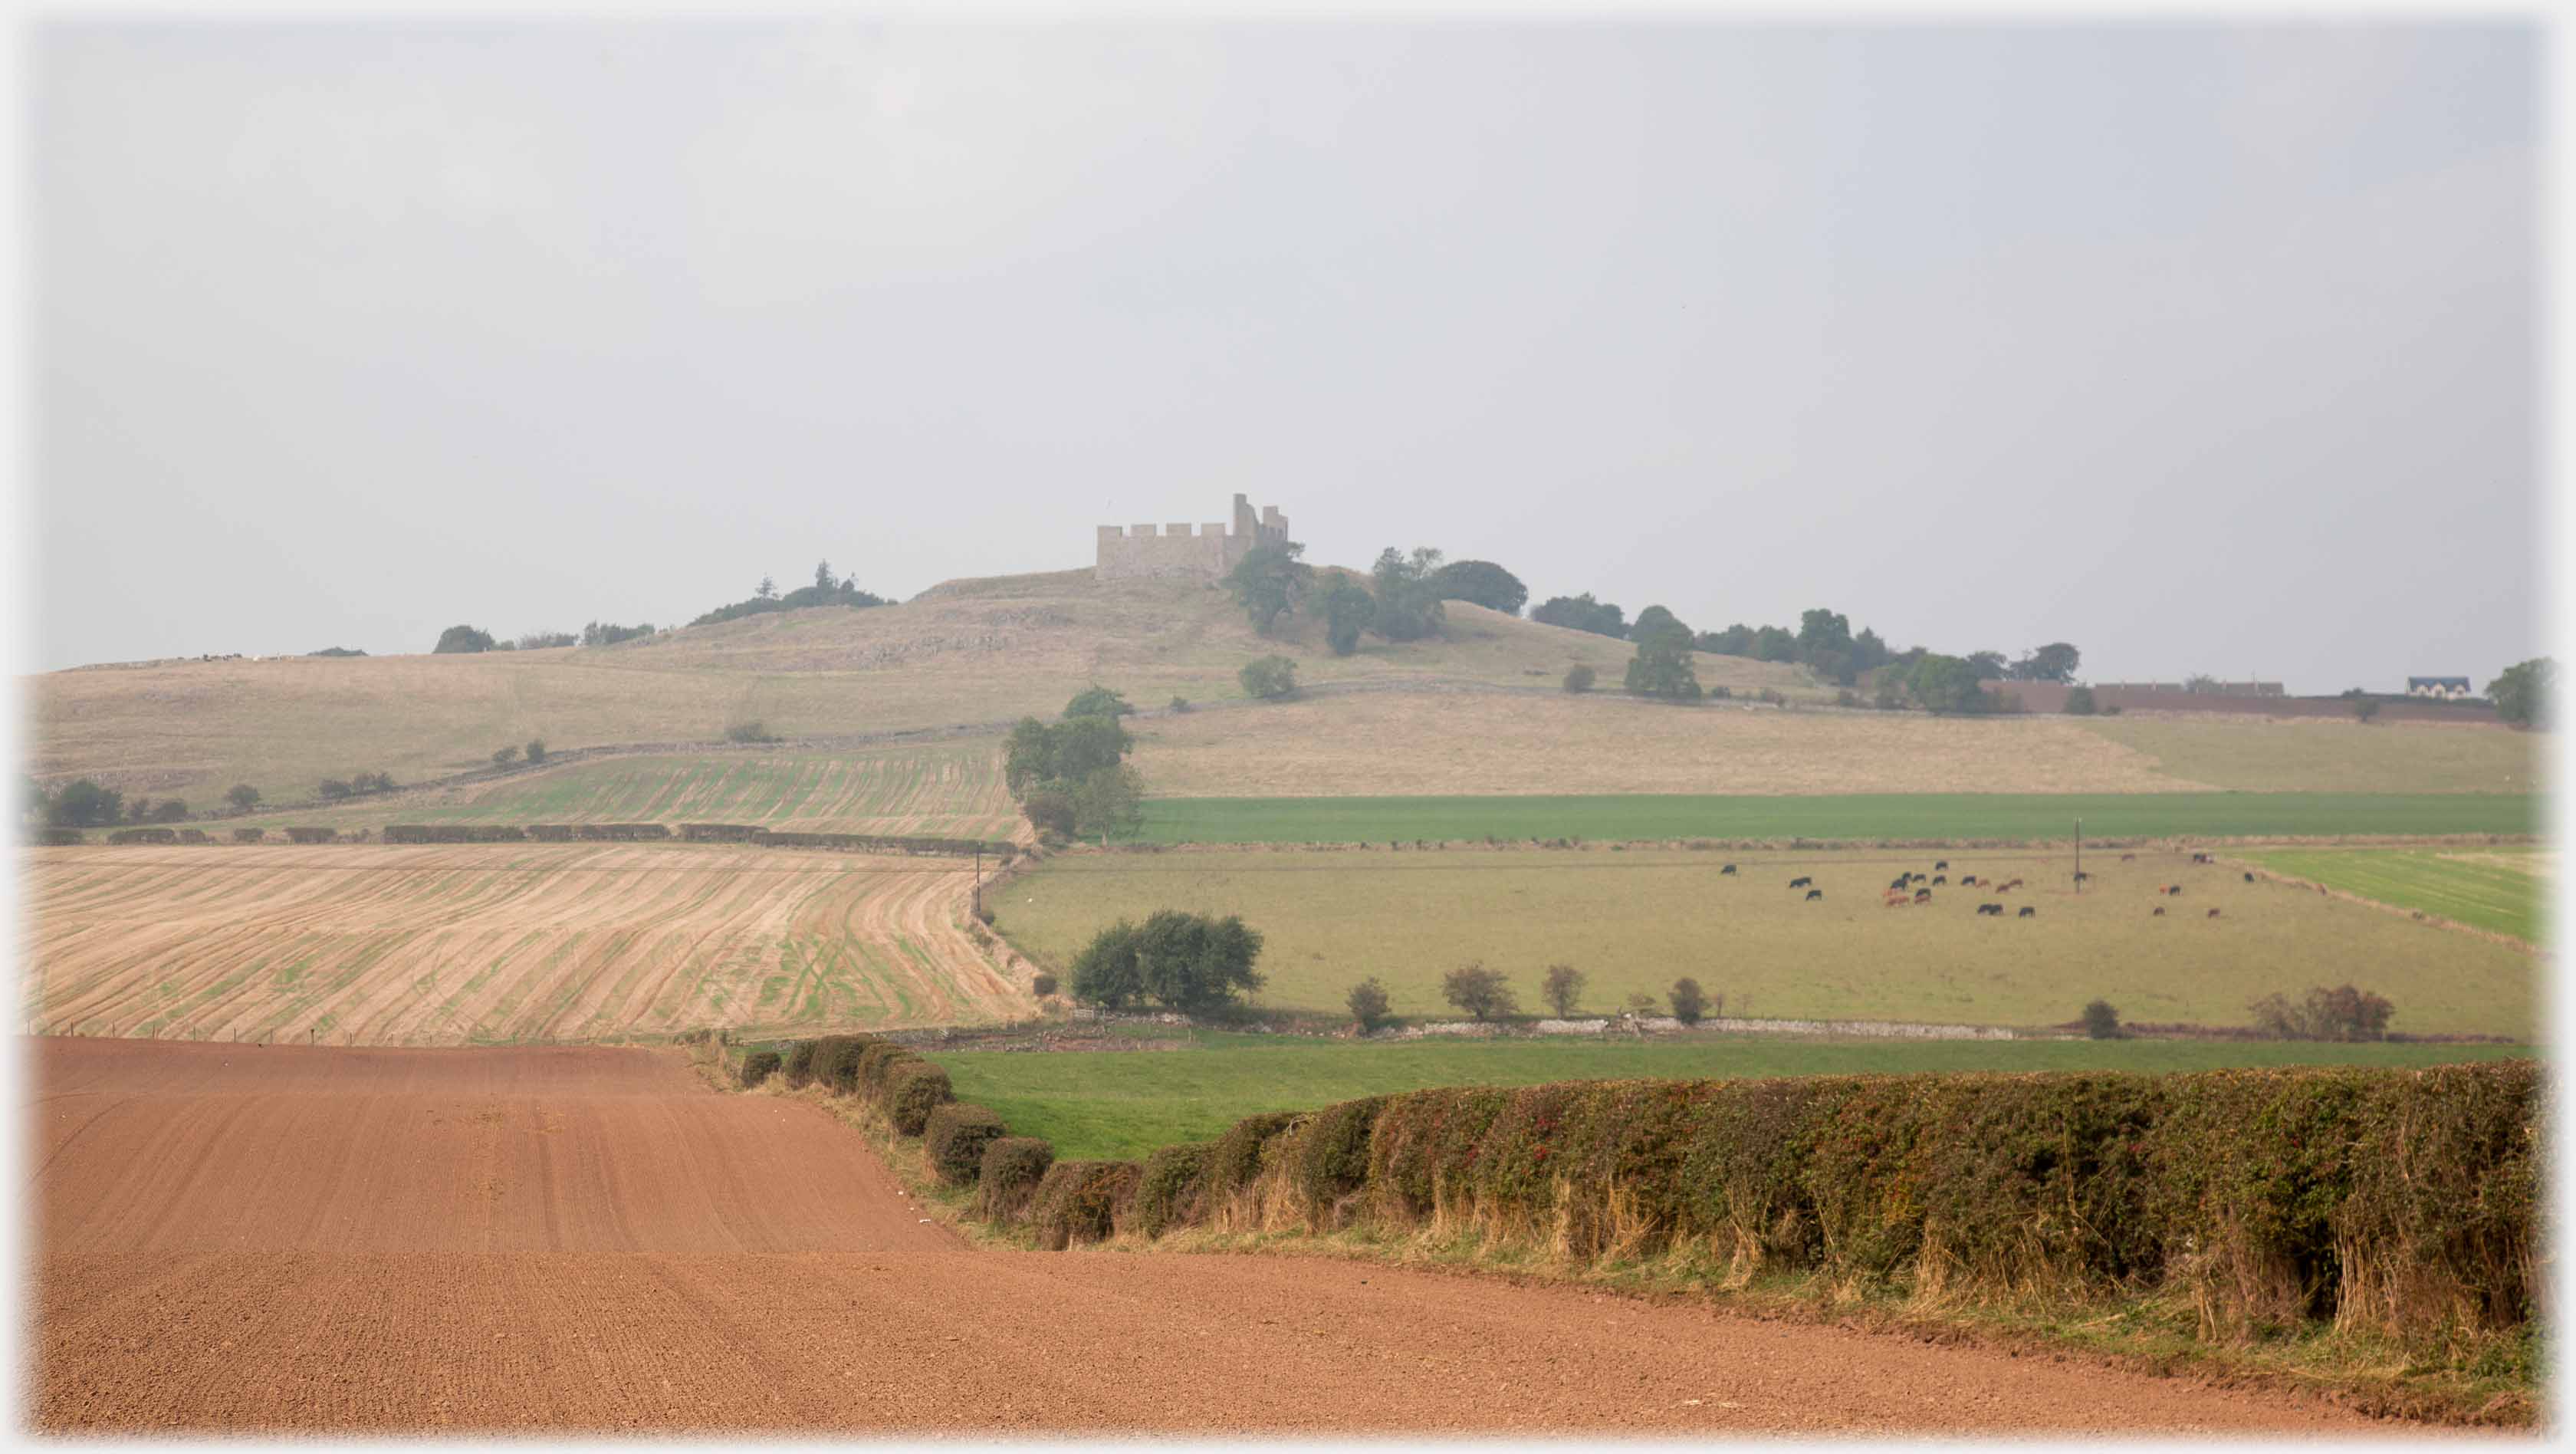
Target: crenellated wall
x: 1183, y: 551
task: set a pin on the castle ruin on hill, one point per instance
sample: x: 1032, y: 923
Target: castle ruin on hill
x: 1186, y: 552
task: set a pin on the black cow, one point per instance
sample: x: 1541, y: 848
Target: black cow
x: 1726, y: 871
x: 1814, y: 894
x: 2027, y: 912
x: 2080, y: 876
x: 2160, y: 911
x: 1940, y: 878
x: 2200, y: 858
x: 1944, y: 863
x: 1922, y: 896
x: 1900, y: 881
x: 2174, y: 889
x: 2249, y: 878
x: 1995, y: 909
x: 1799, y: 883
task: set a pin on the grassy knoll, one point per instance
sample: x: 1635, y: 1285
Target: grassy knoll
x: 1633, y: 921
x: 2502, y: 889
x: 1864, y: 817
x: 2328, y: 756
x: 1124, y: 1104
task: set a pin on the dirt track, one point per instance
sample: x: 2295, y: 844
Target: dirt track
x: 588, y: 1240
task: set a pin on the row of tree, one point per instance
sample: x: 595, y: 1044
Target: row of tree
x: 1485, y: 994
x: 457, y: 640
x: 1404, y: 598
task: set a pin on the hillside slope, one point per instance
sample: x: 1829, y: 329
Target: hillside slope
x: 973, y: 651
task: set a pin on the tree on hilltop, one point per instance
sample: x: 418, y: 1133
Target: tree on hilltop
x: 1269, y: 582
x: 1482, y: 583
x: 457, y: 639
x: 1408, y: 596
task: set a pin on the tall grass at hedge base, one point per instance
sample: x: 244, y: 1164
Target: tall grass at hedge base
x: 954, y: 1137
x: 2396, y: 1203
x: 1081, y: 1201
x: 1009, y: 1176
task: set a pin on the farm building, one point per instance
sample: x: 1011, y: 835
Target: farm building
x: 2447, y: 688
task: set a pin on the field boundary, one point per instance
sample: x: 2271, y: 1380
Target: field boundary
x: 2418, y: 915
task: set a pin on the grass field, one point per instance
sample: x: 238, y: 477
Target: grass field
x: 1634, y: 921
x: 2502, y: 889
x: 496, y: 943
x: 1123, y: 1104
x: 2255, y: 754
x: 948, y: 790
x: 1864, y: 818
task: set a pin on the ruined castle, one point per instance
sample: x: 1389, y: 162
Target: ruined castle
x: 1187, y: 552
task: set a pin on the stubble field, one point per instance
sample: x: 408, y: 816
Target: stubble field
x: 1635, y: 921
x: 496, y: 943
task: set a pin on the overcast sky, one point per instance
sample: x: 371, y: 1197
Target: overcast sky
x: 2208, y: 349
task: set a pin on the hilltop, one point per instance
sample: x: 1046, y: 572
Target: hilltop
x: 964, y: 653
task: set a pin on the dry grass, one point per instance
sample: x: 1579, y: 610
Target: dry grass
x: 2279, y: 755
x: 452, y: 944
x: 1635, y: 921
x: 974, y: 651
x: 1480, y: 743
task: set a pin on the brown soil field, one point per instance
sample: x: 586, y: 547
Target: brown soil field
x: 376, y: 944
x: 588, y: 1241
x: 1458, y: 743
x: 969, y: 651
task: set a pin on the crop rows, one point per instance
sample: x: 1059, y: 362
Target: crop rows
x: 499, y: 943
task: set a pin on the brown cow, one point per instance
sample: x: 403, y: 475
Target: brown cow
x: 2213, y: 913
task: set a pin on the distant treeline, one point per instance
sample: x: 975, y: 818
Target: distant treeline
x: 825, y: 591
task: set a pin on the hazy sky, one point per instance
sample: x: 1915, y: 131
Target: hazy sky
x: 2208, y: 349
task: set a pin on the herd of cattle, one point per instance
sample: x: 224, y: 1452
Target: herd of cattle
x: 1911, y: 887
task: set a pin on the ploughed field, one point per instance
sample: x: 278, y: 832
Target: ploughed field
x: 587, y: 1240
x: 1635, y: 921
x: 379, y: 944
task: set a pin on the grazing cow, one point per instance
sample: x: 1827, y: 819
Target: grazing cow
x: 2012, y: 883
x: 1898, y: 883
x: 2249, y: 877
x: 2174, y: 889
x: 1726, y: 872
x: 1922, y: 896
x: 2200, y: 858
x: 1944, y: 863
x: 2128, y: 858
x: 1995, y: 909
x: 2213, y: 913
x: 2160, y: 911
x: 2027, y: 912
x: 2081, y: 876
x: 1799, y: 883
x: 1814, y: 894
x: 1940, y: 878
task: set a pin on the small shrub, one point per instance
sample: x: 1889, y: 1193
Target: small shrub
x: 1563, y: 988
x: 1268, y: 678
x: 504, y: 756
x: 1180, y: 704
x: 955, y: 1137
x: 1690, y: 1002
x: 913, y: 1091
x: 1167, y: 1191
x: 1479, y: 991
x: 758, y: 1066
x: 1042, y: 986
x: 799, y: 1064
x: 1368, y: 1004
x: 536, y: 750
x: 2101, y: 1021
x: 1011, y: 1170
x: 1580, y: 679
x: 1080, y: 1201
x: 749, y: 732
x: 836, y: 1062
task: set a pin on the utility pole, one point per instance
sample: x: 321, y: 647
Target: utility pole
x: 2079, y: 855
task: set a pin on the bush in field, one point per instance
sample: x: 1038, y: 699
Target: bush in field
x: 1080, y: 1201
x: 1180, y: 704
x: 799, y: 1064
x: 2344, y: 1013
x: 759, y: 1066
x: 84, y: 804
x: 1563, y: 988
x: 1042, y: 985
x: 913, y: 1091
x: 1009, y: 1175
x: 1167, y: 1189
x: 2101, y: 1021
x: 461, y: 638
x: 955, y: 1136
x: 536, y: 750
x: 1097, y: 702
x: 1580, y: 678
x: 1368, y: 1004
x: 504, y: 756
x: 749, y: 732
x: 170, y: 810
x: 1479, y: 991
x: 242, y: 796
x: 1690, y: 1002
x: 333, y: 789
x: 836, y: 1062
x: 1268, y: 678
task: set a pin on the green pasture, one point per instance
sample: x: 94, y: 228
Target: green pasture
x: 2502, y: 889
x: 1861, y: 818
x: 1126, y: 1103
x: 1633, y: 921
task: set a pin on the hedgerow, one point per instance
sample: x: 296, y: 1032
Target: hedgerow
x: 955, y: 1136
x: 1013, y: 1166
x: 913, y: 1090
x: 836, y: 1062
x: 1080, y: 1201
x: 2404, y: 1202
x: 758, y: 1066
x: 799, y: 1065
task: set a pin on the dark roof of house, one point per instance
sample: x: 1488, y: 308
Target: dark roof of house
x: 2437, y: 681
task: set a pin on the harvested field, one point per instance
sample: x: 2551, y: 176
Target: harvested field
x: 946, y: 790
x: 497, y: 943
x: 2276, y: 755
x: 570, y: 1241
x: 1459, y: 743
x: 1635, y: 921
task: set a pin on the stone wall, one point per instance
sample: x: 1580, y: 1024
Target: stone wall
x: 1185, y: 551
